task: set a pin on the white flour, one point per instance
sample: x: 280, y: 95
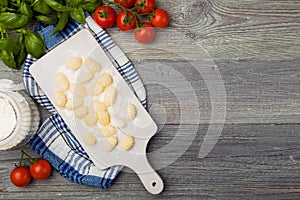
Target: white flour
x: 8, y: 119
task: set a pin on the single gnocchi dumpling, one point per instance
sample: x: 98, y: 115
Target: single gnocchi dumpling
x: 109, y: 143
x: 108, y: 130
x: 90, y: 119
x: 97, y: 105
x: 105, y: 80
x: 92, y: 64
x: 81, y: 112
x: 110, y: 96
x: 60, y: 98
x: 103, y: 117
x: 73, y: 63
x: 62, y: 81
x: 127, y: 142
x: 78, y: 90
x: 84, y: 76
x: 131, y: 109
x: 89, y: 139
x: 98, y: 89
x: 74, y: 102
x: 117, y: 122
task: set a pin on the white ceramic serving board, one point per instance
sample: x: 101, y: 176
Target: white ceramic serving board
x: 83, y: 44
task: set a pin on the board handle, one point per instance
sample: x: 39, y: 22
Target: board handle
x: 148, y: 176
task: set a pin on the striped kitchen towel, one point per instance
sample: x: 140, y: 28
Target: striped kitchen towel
x: 54, y: 140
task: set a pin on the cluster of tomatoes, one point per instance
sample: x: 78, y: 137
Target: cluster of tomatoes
x: 132, y: 16
x: 39, y: 169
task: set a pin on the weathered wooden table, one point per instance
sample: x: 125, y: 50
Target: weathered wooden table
x: 227, y: 68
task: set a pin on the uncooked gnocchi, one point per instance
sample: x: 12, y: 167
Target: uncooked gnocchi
x: 98, y: 89
x: 108, y: 130
x: 105, y: 80
x: 62, y: 81
x: 89, y: 139
x: 60, y: 98
x: 84, y: 76
x: 110, y: 143
x: 92, y: 65
x: 97, y: 105
x: 73, y: 63
x: 131, y: 109
x: 78, y: 90
x: 110, y: 95
x: 81, y: 112
x: 74, y: 102
x: 103, y: 117
x: 127, y: 142
x: 90, y: 119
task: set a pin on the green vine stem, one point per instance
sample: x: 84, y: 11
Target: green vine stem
x: 137, y: 16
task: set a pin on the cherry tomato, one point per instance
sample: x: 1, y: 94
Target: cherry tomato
x: 145, y: 34
x: 126, y: 3
x: 20, y: 176
x: 40, y: 170
x: 160, y: 18
x: 105, y: 16
x: 126, y: 21
x: 145, y: 6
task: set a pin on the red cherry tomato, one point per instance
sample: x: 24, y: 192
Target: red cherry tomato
x: 160, y: 18
x: 105, y: 16
x: 126, y: 3
x: 40, y: 170
x: 146, y: 34
x: 20, y: 176
x: 126, y: 21
x: 145, y: 6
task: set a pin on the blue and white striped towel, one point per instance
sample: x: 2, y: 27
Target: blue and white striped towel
x: 54, y: 140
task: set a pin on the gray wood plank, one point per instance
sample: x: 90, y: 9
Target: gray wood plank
x: 230, y: 29
x: 249, y: 162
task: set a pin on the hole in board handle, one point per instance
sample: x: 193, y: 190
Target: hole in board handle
x: 153, y: 184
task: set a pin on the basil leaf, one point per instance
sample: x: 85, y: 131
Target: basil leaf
x: 78, y: 15
x: 21, y: 55
x: 8, y: 58
x: 41, y: 7
x: 63, y: 18
x: 56, y: 5
x: 25, y: 9
x: 3, y: 3
x: 10, y: 20
x: 4, y: 43
x: 34, y: 43
x: 91, y: 5
x: 46, y: 20
x: 74, y: 2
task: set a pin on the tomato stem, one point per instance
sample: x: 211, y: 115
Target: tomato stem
x: 137, y: 16
x: 21, y: 159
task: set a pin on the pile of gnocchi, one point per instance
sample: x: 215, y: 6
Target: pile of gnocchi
x: 89, y: 99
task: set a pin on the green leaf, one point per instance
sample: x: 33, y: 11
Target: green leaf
x: 13, y: 21
x: 63, y: 18
x: 25, y: 9
x: 46, y: 20
x: 8, y: 58
x: 21, y: 55
x: 91, y: 5
x: 78, y: 15
x: 34, y: 44
x: 41, y: 7
x: 57, y: 6
x: 74, y: 2
x: 3, y: 3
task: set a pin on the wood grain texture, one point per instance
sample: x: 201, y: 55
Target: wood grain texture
x: 253, y: 47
